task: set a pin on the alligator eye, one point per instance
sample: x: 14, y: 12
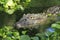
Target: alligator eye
x: 31, y: 17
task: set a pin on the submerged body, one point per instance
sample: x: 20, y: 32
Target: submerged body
x: 54, y: 9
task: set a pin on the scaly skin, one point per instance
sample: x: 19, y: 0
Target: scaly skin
x: 38, y: 21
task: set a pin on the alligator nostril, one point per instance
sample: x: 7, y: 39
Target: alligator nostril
x: 25, y: 19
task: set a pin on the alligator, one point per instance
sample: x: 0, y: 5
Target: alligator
x: 39, y: 20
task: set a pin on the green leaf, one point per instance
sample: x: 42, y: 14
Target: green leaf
x: 34, y: 38
x: 28, y: 0
x: 7, y: 38
x: 10, y: 11
x: 15, y: 33
x: 21, y: 7
x: 56, y: 26
x: 25, y: 37
x: 58, y: 22
x: 24, y: 32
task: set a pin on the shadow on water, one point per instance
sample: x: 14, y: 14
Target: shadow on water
x: 6, y: 19
x: 2, y: 15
